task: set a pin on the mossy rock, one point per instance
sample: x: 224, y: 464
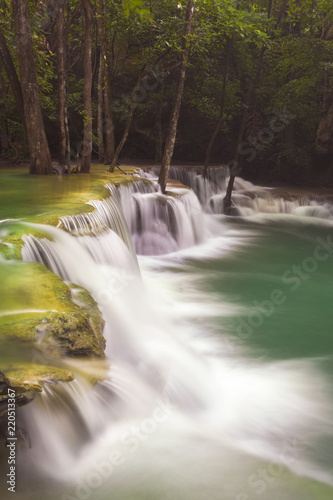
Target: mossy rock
x: 37, y: 307
x: 11, y: 242
x: 71, y: 334
x: 31, y: 377
x: 27, y: 380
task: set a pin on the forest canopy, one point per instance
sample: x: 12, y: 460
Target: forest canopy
x: 243, y: 83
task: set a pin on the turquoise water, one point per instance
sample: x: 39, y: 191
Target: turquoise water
x: 251, y: 311
x: 277, y: 258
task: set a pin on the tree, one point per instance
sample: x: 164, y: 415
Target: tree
x: 324, y: 137
x: 221, y: 113
x: 88, y: 75
x: 133, y: 105
x: 106, y: 128
x: 172, y: 132
x: 40, y: 158
x: 12, y: 76
x: 227, y: 202
x: 64, y: 155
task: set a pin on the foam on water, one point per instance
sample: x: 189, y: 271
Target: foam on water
x: 180, y: 396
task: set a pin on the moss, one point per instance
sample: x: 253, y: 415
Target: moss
x: 63, y: 196
x: 72, y: 334
x: 37, y: 308
x: 26, y: 380
x: 84, y: 300
x: 41, y: 317
x: 30, y: 377
x: 43, y: 199
x: 11, y: 239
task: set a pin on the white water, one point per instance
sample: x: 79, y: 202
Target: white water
x: 248, y: 199
x: 183, y: 413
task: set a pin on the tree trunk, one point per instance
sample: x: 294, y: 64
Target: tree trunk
x: 172, y: 132
x: 61, y: 69
x: 324, y: 139
x: 221, y: 118
x: 68, y: 140
x: 12, y: 77
x: 227, y: 199
x: 107, y: 125
x: 132, y: 107
x: 100, y: 134
x: 159, y: 119
x: 88, y: 74
x: 40, y: 158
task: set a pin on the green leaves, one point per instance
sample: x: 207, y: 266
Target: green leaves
x: 137, y: 7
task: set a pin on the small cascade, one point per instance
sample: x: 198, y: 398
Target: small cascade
x: 247, y: 198
x: 162, y: 224
x: 173, y: 380
x: 105, y: 247
x: 107, y: 214
x: 264, y: 203
x: 45, y: 252
x: 215, y: 182
x: 75, y: 414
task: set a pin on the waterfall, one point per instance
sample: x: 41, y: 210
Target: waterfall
x: 177, y: 395
x: 161, y: 224
x: 215, y: 182
x: 247, y: 198
x: 107, y: 214
x: 148, y: 222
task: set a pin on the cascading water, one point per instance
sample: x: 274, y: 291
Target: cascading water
x: 216, y: 181
x: 247, y: 198
x: 182, y: 413
x: 161, y: 224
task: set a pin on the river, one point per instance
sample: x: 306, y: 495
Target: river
x: 219, y: 337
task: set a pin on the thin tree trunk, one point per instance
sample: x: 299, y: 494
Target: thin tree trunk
x: 124, y: 137
x: 68, y: 140
x: 108, y: 123
x: 100, y: 111
x: 12, y: 77
x: 108, y: 128
x: 159, y: 117
x: 227, y: 202
x: 324, y: 136
x: 221, y: 117
x: 88, y: 74
x: 61, y: 68
x: 8, y: 143
x: 172, y: 132
x: 132, y: 107
x: 255, y: 81
x: 40, y: 158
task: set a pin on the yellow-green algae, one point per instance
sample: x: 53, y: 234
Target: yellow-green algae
x: 36, y: 306
x: 30, y: 377
x: 38, y: 311
x: 43, y: 199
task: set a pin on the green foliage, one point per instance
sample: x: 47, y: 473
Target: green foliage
x: 136, y: 6
x: 149, y: 34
